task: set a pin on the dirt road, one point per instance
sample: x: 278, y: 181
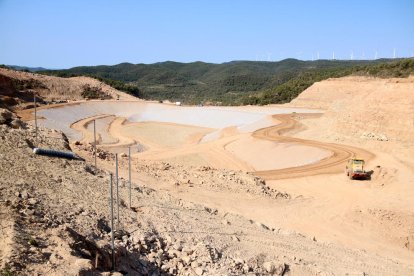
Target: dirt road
x: 288, y: 123
x: 333, y: 164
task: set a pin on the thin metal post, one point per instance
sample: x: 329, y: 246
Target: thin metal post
x: 94, y: 139
x: 111, y: 204
x: 129, y: 169
x: 35, y: 110
x: 117, y: 190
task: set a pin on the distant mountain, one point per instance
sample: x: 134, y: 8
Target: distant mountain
x: 25, y: 68
x: 227, y: 83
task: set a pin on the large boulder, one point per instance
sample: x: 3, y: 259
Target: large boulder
x: 17, y: 123
x: 5, y: 116
x: 274, y: 268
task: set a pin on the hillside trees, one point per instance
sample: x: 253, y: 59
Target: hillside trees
x: 232, y: 83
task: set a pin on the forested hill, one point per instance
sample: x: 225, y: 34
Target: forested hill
x: 237, y: 82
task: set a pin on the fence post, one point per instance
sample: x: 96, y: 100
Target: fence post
x: 129, y: 169
x: 111, y: 204
x: 35, y: 111
x: 117, y: 190
x: 94, y: 139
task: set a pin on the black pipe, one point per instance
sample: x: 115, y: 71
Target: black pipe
x: 56, y: 153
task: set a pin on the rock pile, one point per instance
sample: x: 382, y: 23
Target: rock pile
x: 101, y: 153
x: 374, y: 136
x: 207, y: 177
x: 158, y: 255
x: 189, y: 176
x: 10, y: 119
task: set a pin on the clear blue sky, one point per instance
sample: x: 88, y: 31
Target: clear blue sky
x: 63, y: 34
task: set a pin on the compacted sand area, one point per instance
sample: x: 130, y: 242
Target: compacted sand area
x: 174, y: 132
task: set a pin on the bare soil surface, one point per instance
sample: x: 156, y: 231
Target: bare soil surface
x: 56, y: 221
x: 199, y: 207
x: 51, y: 88
x: 332, y: 164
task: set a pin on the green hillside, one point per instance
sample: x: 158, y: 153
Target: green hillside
x: 236, y: 82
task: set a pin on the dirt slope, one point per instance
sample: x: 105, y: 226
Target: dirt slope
x: 376, y: 115
x: 19, y: 85
x: 376, y: 109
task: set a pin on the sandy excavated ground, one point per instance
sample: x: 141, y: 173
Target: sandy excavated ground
x: 55, y: 214
x: 378, y: 116
x: 303, y: 216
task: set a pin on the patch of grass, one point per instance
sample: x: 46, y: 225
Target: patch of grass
x: 33, y: 242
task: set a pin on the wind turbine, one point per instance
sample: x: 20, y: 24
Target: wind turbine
x: 376, y: 54
x: 333, y: 55
x: 394, y: 54
x: 352, y: 55
x: 317, y: 54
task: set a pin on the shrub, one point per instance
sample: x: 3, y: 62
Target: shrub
x: 94, y: 93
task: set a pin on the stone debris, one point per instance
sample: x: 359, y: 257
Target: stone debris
x: 10, y: 119
x: 100, y: 153
x: 374, y: 136
x: 225, y: 222
x: 5, y: 116
x: 262, y: 226
x: 274, y: 268
x: 189, y: 177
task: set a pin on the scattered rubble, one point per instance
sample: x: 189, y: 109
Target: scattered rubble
x: 185, y: 176
x: 374, y: 136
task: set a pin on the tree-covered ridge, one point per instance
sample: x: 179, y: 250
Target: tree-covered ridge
x: 291, y: 89
x: 399, y: 69
x: 231, y: 83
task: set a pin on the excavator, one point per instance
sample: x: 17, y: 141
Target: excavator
x: 355, y: 169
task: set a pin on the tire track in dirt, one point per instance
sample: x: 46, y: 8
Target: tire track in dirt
x: 332, y: 164
x: 82, y: 127
x: 335, y: 163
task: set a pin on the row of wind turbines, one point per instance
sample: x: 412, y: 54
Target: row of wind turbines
x: 268, y: 56
x: 351, y: 56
